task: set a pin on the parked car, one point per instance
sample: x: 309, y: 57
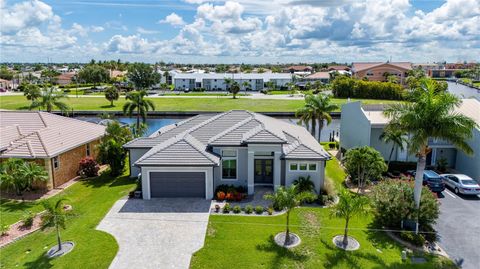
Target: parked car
x: 432, y: 180
x: 461, y: 184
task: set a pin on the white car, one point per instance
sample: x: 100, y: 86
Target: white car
x: 461, y: 184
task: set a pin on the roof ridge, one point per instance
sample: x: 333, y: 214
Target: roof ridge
x: 42, y: 142
x: 40, y: 115
x: 205, y: 122
x: 163, y: 145
x: 29, y: 146
x: 228, y: 130
x: 192, y: 141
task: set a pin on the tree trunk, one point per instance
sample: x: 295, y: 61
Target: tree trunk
x: 287, y: 234
x: 314, y: 126
x: 345, y: 235
x: 390, y: 157
x: 320, y: 127
x: 138, y: 118
x: 58, y: 237
x: 421, y: 163
x: 111, y: 103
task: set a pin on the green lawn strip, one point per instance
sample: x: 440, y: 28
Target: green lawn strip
x: 12, y: 211
x: 180, y: 104
x: 335, y: 173
x: 91, y: 200
x: 247, y: 242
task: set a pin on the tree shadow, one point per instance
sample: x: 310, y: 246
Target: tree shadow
x: 41, y: 261
x: 107, y: 106
x: 14, y: 206
x: 280, y: 253
x: 378, y: 238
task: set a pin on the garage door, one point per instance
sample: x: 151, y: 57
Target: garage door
x: 177, y: 184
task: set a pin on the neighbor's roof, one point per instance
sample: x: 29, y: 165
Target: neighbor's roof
x: 188, y: 142
x: 338, y: 67
x: 299, y: 67
x: 319, y: 75
x: 43, y: 135
x: 357, y: 67
x: 237, y: 76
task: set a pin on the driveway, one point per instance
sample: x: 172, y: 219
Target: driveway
x: 159, y: 233
x: 458, y: 227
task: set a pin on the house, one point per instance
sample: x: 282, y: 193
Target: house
x: 323, y: 77
x: 191, y: 158
x: 379, y: 71
x: 6, y: 84
x: 57, y: 143
x: 338, y: 68
x: 299, y: 69
x: 65, y: 78
x: 363, y: 125
x: 216, y: 81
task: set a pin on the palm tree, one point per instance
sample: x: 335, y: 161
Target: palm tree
x: 246, y: 85
x: 348, y: 206
x: 317, y: 110
x: 136, y: 102
x: 234, y: 89
x: 19, y: 175
x: 397, y: 138
x: 54, y: 216
x: 304, y: 184
x: 228, y: 82
x: 50, y: 98
x: 287, y: 199
x: 430, y: 116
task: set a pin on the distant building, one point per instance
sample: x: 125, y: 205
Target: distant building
x: 338, y: 68
x: 6, y: 84
x: 379, y: 71
x: 448, y: 70
x: 299, y: 69
x: 117, y: 73
x: 65, y: 79
x: 323, y: 77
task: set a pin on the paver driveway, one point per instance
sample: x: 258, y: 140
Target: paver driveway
x: 159, y: 233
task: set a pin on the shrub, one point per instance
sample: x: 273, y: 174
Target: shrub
x: 328, y: 188
x: 413, y: 238
x: 238, y: 196
x: 230, y: 196
x: 227, y: 208
x: 4, y: 229
x: 303, y: 184
x: 249, y: 209
x: 237, y: 209
x: 230, y: 188
x: 270, y: 211
x: 88, y: 167
x: 220, y: 195
x: 345, y: 87
x: 259, y: 209
x: 27, y: 220
x: 393, y: 202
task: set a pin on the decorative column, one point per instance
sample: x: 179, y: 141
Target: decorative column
x: 277, y: 170
x: 250, y: 170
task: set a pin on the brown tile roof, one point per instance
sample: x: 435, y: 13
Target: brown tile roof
x: 367, y: 65
x: 319, y: 75
x: 299, y: 67
x: 43, y: 135
x: 338, y: 67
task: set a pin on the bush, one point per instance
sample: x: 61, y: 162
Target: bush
x: 227, y: 208
x: 415, y: 239
x: 393, y: 202
x: 88, y: 167
x: 27, y: 220
x: 303, y: 184
x: 230, y: 188
x: 237, y: 209
x: 270, y: 211
x: 4, y: 229
x: 220, y: 195
x: 344, y: 87
x: 328, y: 188
x: 259, y: 209
x: 249, y: 209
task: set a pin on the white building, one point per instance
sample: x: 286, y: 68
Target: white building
x: 216, y: 81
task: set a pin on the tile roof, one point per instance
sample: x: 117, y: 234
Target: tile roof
x: 357, y: 67
x: 319, y: 75
x: 43, y: 135
x: 188, y: 142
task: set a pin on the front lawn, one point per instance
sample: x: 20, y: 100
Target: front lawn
x: 99, y: 103
x: 247, y: 242
x: 335, y: 173
x: 91, y: 200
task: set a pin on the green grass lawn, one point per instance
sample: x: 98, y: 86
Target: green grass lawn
x: 335, y: 173
x: 91, y: 200
x: 179, y: 104
x: 247, y: 242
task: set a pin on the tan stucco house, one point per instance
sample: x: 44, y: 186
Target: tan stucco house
x: 377, y: 71
x: 56, y: 142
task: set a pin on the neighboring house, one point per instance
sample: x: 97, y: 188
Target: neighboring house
x: 191, y: 158
x: 216, y: 81
x: 363, y: 125
x: 57, y: 143
x: 65, y: 78
x: 378, y: 71
x: 323, y: 77
x: 338, y: 68
x: 299, y: 69
x: 6, y: 84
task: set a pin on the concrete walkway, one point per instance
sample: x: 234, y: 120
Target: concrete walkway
x: 160, y: 233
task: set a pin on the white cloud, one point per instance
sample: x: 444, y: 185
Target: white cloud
x: 129, y: 44
x: 144, y: 31
x: 173, y: 19
x: 97, y: 29
x: 23, y: 15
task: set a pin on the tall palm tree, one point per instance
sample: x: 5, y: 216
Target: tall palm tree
x: 50, y: 98
x: 54, y: 216
x: 136, y: 102
x: 430, y: 116
x: 398, y: 139
x: 228, y: 82
x: 235, y: 89
x: 317, y: 109
x: 246, y: 85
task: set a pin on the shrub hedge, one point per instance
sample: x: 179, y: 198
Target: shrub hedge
x: 344, y: 87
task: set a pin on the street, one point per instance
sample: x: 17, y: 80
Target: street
x: 459, y: 228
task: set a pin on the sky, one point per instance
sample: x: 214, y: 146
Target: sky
x: 240, y: 31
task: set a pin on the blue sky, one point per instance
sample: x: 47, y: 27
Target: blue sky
x: 250, y: 31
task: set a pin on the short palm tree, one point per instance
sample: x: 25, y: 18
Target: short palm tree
x: 287, y: 199
x: 246, y: 85
x: 136, y: 102
x: 50, y: 98
x: 430, y: 116
x: 54, y: 216
x: 235, y: 89
x: 228, y: 82
x: 348, y: 206
x: 398, y: 139
x: 304, y: 184
x: 317, y: 109
x: 19, y: 175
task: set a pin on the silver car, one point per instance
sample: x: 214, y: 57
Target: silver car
x: 461, y: 184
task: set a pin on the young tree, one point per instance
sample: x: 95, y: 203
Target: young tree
x: 136, y: 102
x: 54, y: 216
x: 235, y: 89
x: 364, y: 164
x: 397, y: 138
x: 111, y: 149
x: 32, y: 92
x: 143, y: 76
x: 349, y: 205
x: 50, y: 98
x: 228, y: 83
x: 287, y: 199
x: 430, y: 116
x: 111, y: 94
x: 246, y: 85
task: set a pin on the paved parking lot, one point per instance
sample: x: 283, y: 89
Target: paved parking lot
x: 459, y: 228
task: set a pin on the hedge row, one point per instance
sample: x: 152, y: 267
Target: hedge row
x: 344, y: 87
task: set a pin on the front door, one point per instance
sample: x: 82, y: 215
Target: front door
x: 263, y: 171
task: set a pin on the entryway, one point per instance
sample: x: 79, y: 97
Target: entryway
x: 263, y: 171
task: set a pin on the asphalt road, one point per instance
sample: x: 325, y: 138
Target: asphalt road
x: 459, y: 228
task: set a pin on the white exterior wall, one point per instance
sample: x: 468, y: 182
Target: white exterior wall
x: 317, y: 177
x: 277, y: 167
x: 242, y: 174
x: 470, y: 165
x: 146, y: 178
x: 355, y: 128
x: 134, y: 155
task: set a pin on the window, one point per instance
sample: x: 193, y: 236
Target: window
x: 312, y: 167
x: 293, y: 167
x: 56, y: 163
x: 303, y: 167
x: 229, y: 164
x: 88, y: 149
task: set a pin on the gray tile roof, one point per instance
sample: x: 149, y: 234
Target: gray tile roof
x: 43, y: 135
x: 188, y: 142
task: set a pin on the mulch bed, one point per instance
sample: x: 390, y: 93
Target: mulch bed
x: 17, y: 231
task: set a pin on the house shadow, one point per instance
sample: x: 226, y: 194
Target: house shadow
x: 166, y: 205
x: 280, y: 253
